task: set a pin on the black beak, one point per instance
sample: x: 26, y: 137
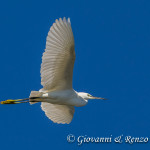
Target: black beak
x: 100, y: 98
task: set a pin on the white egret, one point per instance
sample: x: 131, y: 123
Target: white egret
x: 57, y: 96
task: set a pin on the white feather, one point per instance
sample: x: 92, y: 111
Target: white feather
x: 58, y: 58
x: 58, y: 113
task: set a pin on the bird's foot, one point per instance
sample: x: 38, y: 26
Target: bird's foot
x: 18, y: 101
x: 8, y: 102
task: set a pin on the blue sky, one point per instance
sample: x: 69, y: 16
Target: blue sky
x: 112, y: 43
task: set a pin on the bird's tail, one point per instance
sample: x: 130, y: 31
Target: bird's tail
x: 33, y: 96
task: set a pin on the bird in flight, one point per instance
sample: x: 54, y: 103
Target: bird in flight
x: 57, y: 97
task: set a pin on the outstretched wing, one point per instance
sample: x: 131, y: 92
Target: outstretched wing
x: 58, y: 113
x: 59, y: 56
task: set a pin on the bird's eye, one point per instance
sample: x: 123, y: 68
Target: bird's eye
x: 89, y: 95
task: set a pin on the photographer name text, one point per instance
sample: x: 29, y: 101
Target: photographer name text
x: 82, y: 139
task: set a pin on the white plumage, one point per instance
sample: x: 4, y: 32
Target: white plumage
x: 56, y: 74
x: 57, y: 68
x: 58, y: 113
x: 58, y: 58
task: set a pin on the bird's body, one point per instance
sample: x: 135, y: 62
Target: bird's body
x: 63, y: 97
x: 57, y: 96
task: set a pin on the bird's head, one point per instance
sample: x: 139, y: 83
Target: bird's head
x: 88, y: 96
